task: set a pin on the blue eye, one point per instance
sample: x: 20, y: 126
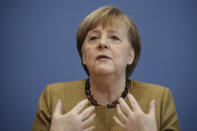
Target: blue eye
x: 93, y: 38
x: 114, y: 37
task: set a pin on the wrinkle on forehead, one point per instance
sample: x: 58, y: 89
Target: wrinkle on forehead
x: 113, y: 25
x: 110, y: 31
x: 113, y: 22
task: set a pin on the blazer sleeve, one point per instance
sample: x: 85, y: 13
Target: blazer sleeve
x: 43, y: 116
x: 169, y: 117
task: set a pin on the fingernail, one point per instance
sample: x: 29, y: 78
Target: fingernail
x: 121, y: 99
x: 86, y: 100
x: 58, y: 101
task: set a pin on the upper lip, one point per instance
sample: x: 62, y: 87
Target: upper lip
x: 102, y: 56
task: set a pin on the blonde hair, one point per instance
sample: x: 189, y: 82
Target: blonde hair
x: 110, y: 15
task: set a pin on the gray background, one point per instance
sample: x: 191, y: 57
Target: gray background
x: 38, y: 46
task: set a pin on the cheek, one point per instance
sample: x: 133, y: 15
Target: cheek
x: 123, y: 56
x: 86, y: 56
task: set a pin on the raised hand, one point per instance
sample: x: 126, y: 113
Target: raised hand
x: 73, y: 120
x: 136, y: 119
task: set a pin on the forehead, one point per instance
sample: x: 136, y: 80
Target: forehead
x: 110, y: 27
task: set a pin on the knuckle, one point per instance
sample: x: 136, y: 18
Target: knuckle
x: 139, y: 113
x: 92, y: 117
x: 71, y: 113
x: 88, y: 122
x: 71, y: 116
x: 90, y: 109
x: 119, y: 112
x: 80, y: 105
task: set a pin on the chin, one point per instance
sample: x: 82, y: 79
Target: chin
x: 104, y: 71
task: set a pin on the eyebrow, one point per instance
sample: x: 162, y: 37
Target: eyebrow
x: 95, y: 31
x: 108, y: 31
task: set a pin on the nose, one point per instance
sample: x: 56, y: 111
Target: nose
x: 103, y: 44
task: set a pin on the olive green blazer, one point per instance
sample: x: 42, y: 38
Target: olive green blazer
x: 71, y: 93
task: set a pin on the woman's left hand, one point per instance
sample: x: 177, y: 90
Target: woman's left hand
x: 136, y: 119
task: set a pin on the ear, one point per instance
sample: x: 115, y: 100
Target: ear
x: 131, y: 56
x: 83, y: 59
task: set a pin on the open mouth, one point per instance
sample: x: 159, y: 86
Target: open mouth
x: 102, y: 57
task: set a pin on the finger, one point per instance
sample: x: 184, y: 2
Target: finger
x: 121, y: 115
x: 124, y: 107
x: 58, y: 108
x: 134, y: 103
x: 88, y: 121
x: 152, y: 108
x: 80, y: 106
x: 118, y: 121
x: 89, y: 128
x: 86, y: 112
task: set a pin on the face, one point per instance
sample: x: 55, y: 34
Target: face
x: 106, y: 50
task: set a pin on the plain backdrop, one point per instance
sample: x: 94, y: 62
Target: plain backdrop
x: 38, y: 46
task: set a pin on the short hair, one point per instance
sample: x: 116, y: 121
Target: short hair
x: 109, y: 15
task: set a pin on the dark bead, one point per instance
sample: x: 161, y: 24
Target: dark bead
x: 94, y: 102
x: 88, y: 91
x: 109, y: 106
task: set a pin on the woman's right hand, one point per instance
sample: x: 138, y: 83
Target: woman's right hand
x: 73, y: 120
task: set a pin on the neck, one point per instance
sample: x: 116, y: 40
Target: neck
x: 106, y: 89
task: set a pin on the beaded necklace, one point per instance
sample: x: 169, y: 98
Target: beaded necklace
x: 114, y: 103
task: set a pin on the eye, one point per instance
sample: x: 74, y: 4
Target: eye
x: 93, y: 38
x: 113, y: 37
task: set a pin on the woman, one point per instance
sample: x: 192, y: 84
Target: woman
x: 108, y: 43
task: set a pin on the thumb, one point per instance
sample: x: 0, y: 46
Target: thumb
x: 152, y: 108
x: 58, y: 108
